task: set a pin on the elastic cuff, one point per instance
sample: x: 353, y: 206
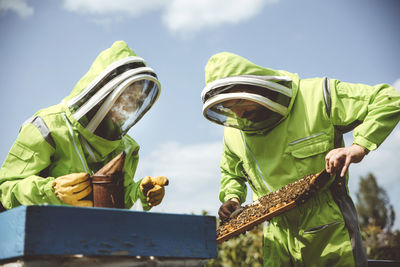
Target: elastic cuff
x: 49, y: 195
x: 229, y: 196
x: 143, y: 199
x: 365, y: 143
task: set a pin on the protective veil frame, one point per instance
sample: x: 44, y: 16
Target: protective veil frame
x: 107, y: 89
x: 215, y: 93
x: 255, y: 80
x: 278, y: 108
x: 113, y: 96
x: 110, y: 68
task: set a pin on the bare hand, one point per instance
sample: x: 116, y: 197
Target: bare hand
x: 339, y: 159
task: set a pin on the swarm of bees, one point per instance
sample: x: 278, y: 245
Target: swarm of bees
x: 271, y: 205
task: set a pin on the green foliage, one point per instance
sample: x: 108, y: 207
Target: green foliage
x: 376, y: 217
x: 244, y: 250
x: 373, y: 204
x: 379, y: 244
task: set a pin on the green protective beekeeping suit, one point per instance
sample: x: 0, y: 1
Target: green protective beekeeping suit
x: 323, y: 231
x: 54, y: 143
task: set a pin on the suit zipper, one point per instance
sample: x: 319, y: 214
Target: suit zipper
x: 304, y: 139
x: 262, y: 182
x: 75, y: 144
x: 246, y: 175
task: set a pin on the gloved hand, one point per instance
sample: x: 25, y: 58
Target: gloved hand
x: 228, y: 208
x: 153, y: 189
x: 72, y: 188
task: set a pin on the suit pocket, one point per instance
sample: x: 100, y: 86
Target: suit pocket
x: 18, y: 158
x: 308, y: 153
x: 317, y: 229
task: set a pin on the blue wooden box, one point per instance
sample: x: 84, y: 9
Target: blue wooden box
x: 60, y: 230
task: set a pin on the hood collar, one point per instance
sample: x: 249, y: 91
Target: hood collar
x: 101, y: 145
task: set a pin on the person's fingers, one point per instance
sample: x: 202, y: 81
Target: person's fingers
x: 72, y: 189
x: 156, y: 193
x: 328, y: 157
x: 82, y: 194
x: 146, y: 181
x: 155, y: 203
x: 146, y: 185
x: 67, y: 197
x: 156, y: 200
x: 227, y: 208
x: 72, y: 179
x: 75, y: 178
x: 160, y: 180
x: 327, y: 166
x: 81, y: 186
x: 233, y: 206
x: 340, y: 159
x: 84, y: 203
x: 345, y: 166
x: 223, y: 213
x: 62, y: 197
x: 336, y: 160
x: 153, y: 188
x: 156, y: 190
x: 331, y: 163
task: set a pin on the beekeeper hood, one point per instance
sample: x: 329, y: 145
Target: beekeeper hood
x: 245, y: 96
x: 115, y: 93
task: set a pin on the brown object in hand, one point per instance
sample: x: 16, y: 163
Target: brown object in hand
x: 271, y: 205
x: 108, y: 184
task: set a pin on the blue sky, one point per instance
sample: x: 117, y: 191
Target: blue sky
x: 47, y: 46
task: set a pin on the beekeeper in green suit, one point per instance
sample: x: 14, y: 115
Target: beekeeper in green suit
x: 61, y: 146
x: 280, y: 128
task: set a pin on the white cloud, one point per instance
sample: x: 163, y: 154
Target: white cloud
x: 193, y: 172
x: 18, y: 6
x: 188, y: 16
x: 115, y: 7
x: 107, y: 13
x: 180, y: 16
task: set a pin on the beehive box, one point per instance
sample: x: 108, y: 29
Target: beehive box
x: 65, y: 231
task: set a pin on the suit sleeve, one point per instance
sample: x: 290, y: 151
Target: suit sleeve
x: 20, y: 180
x: 132, y: 187
x: 232, y: 182
x: 372, y: 112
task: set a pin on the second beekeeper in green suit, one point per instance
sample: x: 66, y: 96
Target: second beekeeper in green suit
x: 280, y: 128
x: 61, y: 146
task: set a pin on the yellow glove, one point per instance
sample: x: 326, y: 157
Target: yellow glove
x: 153, y: 189
x: 72, y: 188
